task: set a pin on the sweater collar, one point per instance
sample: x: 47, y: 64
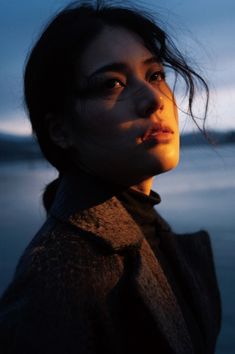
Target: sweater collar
x: 89, y: 204
x: 148, y: 201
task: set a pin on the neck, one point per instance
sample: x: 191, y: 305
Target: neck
x: 144, y: 186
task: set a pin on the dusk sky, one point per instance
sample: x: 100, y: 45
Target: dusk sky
x: 205, y: 31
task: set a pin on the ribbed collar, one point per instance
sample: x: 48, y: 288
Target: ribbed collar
x: 139, y: 205
x: 141, y: 208
x: 147, y: 200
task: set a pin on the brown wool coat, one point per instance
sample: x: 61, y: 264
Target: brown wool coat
x: 89, y: 283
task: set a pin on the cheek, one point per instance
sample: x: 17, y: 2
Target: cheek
x: 175, y: 115
x: 92, y: 114
x: 175, y: 108
x: 102, y: 118
x: 170, y: 102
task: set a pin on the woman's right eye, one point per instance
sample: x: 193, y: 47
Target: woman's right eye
x: 112, y: 84
x: 104, y: 86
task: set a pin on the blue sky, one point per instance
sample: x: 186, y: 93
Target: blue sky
x: 204, y: 31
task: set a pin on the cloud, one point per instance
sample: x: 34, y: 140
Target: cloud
x: 221, y: 113
x: 15, y: 123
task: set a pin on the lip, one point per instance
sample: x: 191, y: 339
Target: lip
x: 158, y: 133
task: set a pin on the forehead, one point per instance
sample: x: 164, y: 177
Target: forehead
x: 114, y: 44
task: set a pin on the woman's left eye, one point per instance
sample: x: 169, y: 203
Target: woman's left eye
x: 157, y: 76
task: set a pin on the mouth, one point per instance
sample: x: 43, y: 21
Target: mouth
x: 158, y: 133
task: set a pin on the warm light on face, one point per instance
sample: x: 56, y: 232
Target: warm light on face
x: 127, y: 124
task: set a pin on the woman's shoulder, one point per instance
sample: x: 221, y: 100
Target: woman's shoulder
x: 60, y: 283
x: 60, y: 260
x: 197, y: 253
x: 199, y: 257
x: 66, y: 247
x: 196, y: 247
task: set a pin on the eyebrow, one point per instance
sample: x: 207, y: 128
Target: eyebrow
x: 122, y: 67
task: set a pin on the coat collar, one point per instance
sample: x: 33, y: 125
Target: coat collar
x: 90, y: 204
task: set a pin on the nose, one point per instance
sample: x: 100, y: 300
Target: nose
x: 149, y: 100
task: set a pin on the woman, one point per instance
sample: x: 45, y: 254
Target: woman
x: 105, y: 274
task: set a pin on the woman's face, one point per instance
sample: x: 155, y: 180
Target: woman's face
x: 125, y: 128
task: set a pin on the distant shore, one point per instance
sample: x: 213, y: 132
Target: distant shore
x: 15, y: 147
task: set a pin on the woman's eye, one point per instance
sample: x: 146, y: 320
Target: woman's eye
x: 102, y: 86
x: 158, y: 76
x: 113, y: 84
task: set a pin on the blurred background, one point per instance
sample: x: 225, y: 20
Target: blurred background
x: 199, y: 194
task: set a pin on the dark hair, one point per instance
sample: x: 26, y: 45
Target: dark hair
x: 49, y: 80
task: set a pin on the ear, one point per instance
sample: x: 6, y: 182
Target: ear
x: 58, y: 131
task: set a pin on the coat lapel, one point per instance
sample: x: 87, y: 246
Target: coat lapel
x: 159, y: 298
x: 90, y: 205
x: 111, y: 225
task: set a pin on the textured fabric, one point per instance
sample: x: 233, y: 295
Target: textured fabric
x: 90, y: 282
x: 141, y: 208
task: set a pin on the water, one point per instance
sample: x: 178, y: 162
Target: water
x: 199, y: 194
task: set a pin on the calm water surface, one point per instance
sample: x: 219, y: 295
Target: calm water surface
x: 199, y: 194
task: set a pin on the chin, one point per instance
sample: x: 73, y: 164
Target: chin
x: 169, y: 165
x: 165, y: 159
